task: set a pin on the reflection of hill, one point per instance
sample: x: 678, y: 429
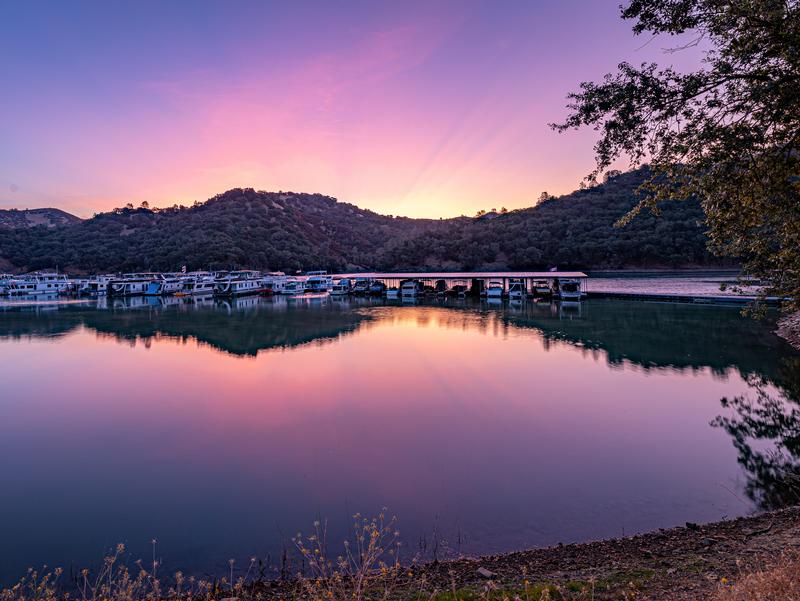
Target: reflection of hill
x: 37, y: 322
x: 653, y: 335
x: 241, y: 327
x: 240, y: 331
x: 650, y: 335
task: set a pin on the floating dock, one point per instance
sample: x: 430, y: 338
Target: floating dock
x: 393, y: 279
x: 681, y: 298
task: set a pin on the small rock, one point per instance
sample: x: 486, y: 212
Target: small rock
x: 707, y: 542
x: 672, y: 571
x: 230, y: 599
x: 483, y: 572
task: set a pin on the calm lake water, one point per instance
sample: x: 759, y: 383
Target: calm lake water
x: 222, y: 428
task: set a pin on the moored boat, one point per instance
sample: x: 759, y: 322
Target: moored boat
x: 361, y: 286
x: 238, y: 283
x: 541, y: 289
x: 131, y: 284
x: 568, y: 289
x: 318, y: 281
x: 294, y: 287
x: 516, y: 290
x: 494, y: 290
x: 410, y: 289
x: 273, y: 283
x: 341, y: 287
x: 37, y: 282
x: 198, y: 283
x: 377, y: 288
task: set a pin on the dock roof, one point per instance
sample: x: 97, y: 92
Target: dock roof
x: 464, y: 275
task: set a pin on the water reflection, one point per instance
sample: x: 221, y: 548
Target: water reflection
x: 765, y: 428
x: 219, y: 426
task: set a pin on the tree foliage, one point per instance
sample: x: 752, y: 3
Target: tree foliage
x: 727, y: 133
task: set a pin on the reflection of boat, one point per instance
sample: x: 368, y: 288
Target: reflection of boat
x: 516, y: 290
x: 494, y: 289
x: 569, y: 309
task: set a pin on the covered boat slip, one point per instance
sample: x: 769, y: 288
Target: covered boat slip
x: 473, y: 278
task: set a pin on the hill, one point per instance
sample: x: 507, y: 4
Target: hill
x: 23, y: 218
x: 575, y: 230
x: 291, y: 231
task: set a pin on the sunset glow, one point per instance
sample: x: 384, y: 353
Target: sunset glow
x: 419, y: 109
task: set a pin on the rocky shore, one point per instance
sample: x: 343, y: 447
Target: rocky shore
x: 789, y: 328
x: 686, y: 563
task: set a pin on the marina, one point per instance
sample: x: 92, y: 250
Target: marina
x: 564, y: 285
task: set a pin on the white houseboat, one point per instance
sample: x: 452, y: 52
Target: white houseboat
x: 293, y: 287
x: 341, y: 287
x: 132, y: 284
x: 38, y: 283
x: 93, y: 286
x: 273, y: 283
x: 164, y: 285
x: 318, y: 281
x: 238, y: 283
x: 198, y: 283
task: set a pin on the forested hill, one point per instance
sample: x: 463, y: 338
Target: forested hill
x: 290, y: 231
x: 576, y: 230
x: 16, y: 218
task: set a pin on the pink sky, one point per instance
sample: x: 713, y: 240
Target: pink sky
x: 431, y: 109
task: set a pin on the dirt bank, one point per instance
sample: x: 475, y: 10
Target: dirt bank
x: 789, y: 328
x: 685, y: 563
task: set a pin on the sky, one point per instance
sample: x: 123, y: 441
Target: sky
x: 424, y: 109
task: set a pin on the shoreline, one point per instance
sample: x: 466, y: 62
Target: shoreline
x: 789, y: 329
x: 677, y: 564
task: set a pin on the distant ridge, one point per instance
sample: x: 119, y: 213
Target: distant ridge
x: 292, y: 231
x: 24, y: 218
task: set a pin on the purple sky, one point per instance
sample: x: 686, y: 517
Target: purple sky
x: 408, y: 108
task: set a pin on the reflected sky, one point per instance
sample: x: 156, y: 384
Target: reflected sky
x: 220, y: 429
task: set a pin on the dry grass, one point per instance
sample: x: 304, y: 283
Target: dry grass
x: 779, y: 582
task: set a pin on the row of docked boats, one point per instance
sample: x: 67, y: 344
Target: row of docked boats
x: 249, y: 282
x: 198, y: 283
